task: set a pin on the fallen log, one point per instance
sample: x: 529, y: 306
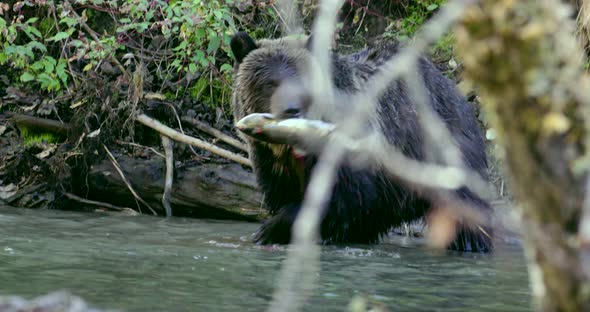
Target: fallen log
x: 217, y: 191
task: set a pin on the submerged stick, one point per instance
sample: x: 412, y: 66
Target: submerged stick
x: 167, y: 143
x: 177, y: 136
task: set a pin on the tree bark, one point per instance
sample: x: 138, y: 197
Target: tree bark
x: 524, y: 58
x: 582, y: 13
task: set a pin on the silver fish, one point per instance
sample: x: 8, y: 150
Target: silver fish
x: 293, y: 131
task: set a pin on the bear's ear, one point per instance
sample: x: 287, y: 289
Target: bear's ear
x: 241, y: 44
x: 308, y: 44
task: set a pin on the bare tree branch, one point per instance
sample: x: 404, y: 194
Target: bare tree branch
x: 177, y: 136
x: 216, y: 133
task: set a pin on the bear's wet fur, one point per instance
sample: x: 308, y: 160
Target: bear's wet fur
x: 366, y: 203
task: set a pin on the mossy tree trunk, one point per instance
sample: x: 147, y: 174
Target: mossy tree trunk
x: 524, y: 57
x: 582, y: 8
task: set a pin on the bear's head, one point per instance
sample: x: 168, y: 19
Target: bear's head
x: 267, y: 75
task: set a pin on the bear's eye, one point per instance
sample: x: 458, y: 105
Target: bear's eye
x: 273, y: 83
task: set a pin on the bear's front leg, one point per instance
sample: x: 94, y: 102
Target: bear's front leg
x: 277, y: 230
x: 473, y: 239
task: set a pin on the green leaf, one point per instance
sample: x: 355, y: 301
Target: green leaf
x: 225, y: 67
x: 227, y: 39
x: 149, y: 16
x: 59, y: 36
x: 32, y: 20
x: 181, y: 46
x: 9, y: 49
x: 26, y: 77
x: 204, y: 62
x: 70, y: 21
x: 142, y: 27
x: 12, y: 34
x: 38, y: 45
x: 26, y: 51
x: 192, y: 68
x: 176, y: 63
x: 49, y: 63
x: 229, y: 20
x: 199, y: 34
x: 47, y: 82
x: 432, y: 7
x: 214, y: 42
x: 60, y: 70
x: 76, y: 43
x: 37, y: 66
x: 35, y: 32
x: 198, y: 56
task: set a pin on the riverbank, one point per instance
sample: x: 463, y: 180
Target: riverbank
x: 78, y: 143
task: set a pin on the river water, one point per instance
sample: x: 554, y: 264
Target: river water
x: 145, y: 263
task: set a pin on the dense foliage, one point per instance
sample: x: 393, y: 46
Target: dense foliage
x: 93, y: 64
x: 51, y: 45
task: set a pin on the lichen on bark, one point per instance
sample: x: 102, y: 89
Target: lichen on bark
x: 525, y: 59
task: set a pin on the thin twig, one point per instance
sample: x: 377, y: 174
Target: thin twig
x: 303, y: 258
x: 118, y: 168
x: 141, y: 146
x: 180, y: 126
x: 93, y: 202
x: 167, y: 143
x: 365, y: 9
x: 302, y: 261
x: 438, y: 138
x: 216, y: 133
x: 291, y: 22
x: 177, y: 136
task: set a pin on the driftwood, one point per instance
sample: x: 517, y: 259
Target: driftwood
x: 219, y: 191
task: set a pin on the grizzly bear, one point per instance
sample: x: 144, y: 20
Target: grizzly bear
x: 366, y: 203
